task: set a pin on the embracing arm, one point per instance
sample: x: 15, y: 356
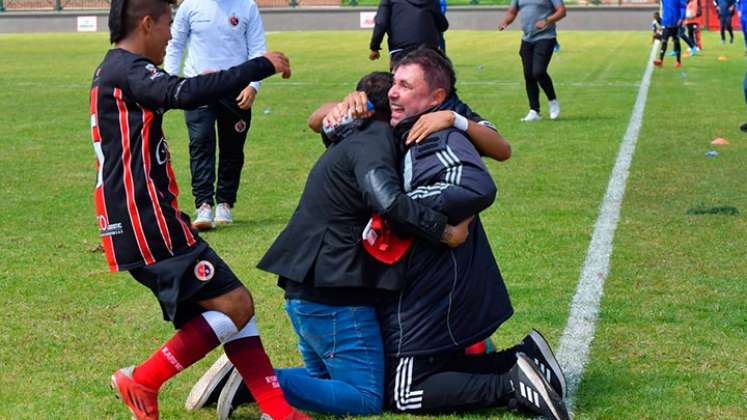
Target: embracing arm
x: 154, y: 88
x: 486, y: 139
x: 465, y: 186
x: 376, y: 174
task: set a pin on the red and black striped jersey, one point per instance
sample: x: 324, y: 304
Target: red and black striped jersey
x: 136, y: 194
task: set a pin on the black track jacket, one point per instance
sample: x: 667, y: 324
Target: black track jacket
x: 452, y: 297
x: 408, y: 24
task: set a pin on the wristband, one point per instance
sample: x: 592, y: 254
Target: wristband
x: 460, y: 122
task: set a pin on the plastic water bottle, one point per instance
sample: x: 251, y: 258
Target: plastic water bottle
x: 711, y: 153
x: 345, y: 124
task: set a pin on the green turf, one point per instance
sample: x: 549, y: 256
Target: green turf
x: 671, y: 336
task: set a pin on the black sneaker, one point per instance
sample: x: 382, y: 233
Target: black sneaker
x: 532, y: 393
x: 234, y: 393
x: 207, y: 389
x: 538, y: 351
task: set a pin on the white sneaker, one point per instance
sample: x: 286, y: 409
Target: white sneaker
x: 207, y: 389
x: 204, y: 218
x: 554, y: 109
x: 532, y: 115
x: 223, y: 214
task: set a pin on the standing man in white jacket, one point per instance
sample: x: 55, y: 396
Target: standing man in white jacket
x: 218, y: 34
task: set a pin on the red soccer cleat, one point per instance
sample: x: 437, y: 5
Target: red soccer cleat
x: 657, y: 63
x: 142, y: 401
x: 677, y: 64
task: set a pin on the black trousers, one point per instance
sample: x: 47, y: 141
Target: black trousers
x: 725, y: 24
x: 447, y: 382
x: 535, y: 57
x: 693, y: 31
x: 687, y: 38
x: 674, y: 33
x: 232, y: 126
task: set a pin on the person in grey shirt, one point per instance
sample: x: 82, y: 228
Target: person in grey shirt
x: 538, y: 19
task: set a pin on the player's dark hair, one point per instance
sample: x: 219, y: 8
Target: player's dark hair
x: 377, y: 85
x: 437, y: 68
x: 124, y: 15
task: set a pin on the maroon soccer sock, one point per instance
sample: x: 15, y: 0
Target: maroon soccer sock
x: 190, y: 344
x: 249, y: 357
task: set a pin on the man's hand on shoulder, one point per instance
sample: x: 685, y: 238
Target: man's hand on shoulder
x: 428, y: 124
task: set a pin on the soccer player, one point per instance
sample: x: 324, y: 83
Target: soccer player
x: 141, y: 227
x: 672, y: 14
x: 692, y: 13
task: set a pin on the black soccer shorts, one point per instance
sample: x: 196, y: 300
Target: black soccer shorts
x: 183, y: 280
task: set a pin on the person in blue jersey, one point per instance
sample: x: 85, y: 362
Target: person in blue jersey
x: 672, y: 13
x: 217, y: 35
x: 742, y: 8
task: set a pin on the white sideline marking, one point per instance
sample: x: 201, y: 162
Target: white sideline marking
x: 579, y: 331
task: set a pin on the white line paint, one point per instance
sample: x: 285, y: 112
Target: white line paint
x: 575, y: 342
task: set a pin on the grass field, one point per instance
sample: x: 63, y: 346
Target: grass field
x: 671, y: 337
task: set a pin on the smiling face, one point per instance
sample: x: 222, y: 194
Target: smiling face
x: 158, y: 35
x: 410, y: 95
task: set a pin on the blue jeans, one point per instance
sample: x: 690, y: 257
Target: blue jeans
x: 343, y: 356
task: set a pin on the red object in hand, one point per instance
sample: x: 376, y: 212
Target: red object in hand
x: 383, y: 244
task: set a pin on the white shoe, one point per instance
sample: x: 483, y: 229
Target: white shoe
x: 225, y: 400
x: 554, y: 109
x: 223, y: 214
x: 204, y: 218
x: 532, y: 115
x: 207, y: 389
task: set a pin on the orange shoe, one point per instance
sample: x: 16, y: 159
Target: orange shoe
x: 657, y: 63
x: 677, y: 64
x: 142, y: 402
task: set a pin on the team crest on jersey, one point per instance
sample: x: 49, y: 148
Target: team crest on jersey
x: 162, y: 152
x: 204, y: 270
x: 154, y: 73
x: 233, y: 20
x: 240, y: 126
